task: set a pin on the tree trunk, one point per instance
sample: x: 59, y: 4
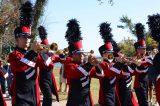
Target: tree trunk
x: 39, y: 9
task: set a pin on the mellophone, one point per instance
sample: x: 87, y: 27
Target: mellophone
x: 124, y: 59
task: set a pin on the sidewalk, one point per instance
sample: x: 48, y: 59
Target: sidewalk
x: 54, y: 103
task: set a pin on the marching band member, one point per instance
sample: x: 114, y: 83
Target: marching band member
x: 2, y: 100
x: 47, y: 80
x: 108, y: 94
x: 124, y: 81
x: 139, y: 67
x: 154, y: 26
x: 23, y: 62
x: 77, y: 72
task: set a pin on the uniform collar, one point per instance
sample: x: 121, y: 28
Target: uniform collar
x: 20, y: 49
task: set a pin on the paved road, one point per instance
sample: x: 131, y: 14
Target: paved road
x: 61, y: 103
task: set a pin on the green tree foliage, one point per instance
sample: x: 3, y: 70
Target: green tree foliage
x: 9, y: 20
x: 127, y: 47
x: 150, y: 43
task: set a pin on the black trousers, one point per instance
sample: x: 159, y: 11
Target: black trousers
x: 126, y: 97
x: 47, y: 94
x: 46, y: 87
x: 142, y: 96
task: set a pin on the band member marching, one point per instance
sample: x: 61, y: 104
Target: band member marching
x: 139, y: 67
x: 124, y: 89
x: 46, y: 76
x: 154, y: 26
x: 108, y: 94
x: 23, y: 62
x: 2, y: 100
x: 124, y: 80
x: 77, y: 72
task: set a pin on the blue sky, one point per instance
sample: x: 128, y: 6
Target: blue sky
x: 90, y: 14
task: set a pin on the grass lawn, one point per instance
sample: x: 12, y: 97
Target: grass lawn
x: 94, y: 88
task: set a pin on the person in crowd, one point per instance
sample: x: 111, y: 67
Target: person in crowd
x: 2, y: 100
x: 62, y: 79
x: 9, y: 78
x: 3, y: 80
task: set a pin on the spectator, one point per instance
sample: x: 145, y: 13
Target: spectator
x: 152, y: 75
x: 9, y: 79
x: 2, y: 79
x: 62, y: 79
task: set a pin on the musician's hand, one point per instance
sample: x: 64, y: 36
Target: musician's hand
x: 36, y: 46
x: 119, y: 59
x: 93, y: 60
x: 58, y: 52
x: 137, y: 62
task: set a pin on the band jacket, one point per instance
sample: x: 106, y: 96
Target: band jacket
x: 140, y: 71
x: 108, y: 94
x: 46, y: 75
x: 79, y: 77
x: 25, y: 89
x: 123, y: 86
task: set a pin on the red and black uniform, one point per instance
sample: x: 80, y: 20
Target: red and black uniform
x: 156, y: 64
x: 77, y: 73
x: 141, y: 80
x: 79, y: 83
x: 47, y: 80
x: 107, y: 94
x: 25, y: 84
x: 124, y: 89
x: 140, y: 70
x: 25, y: 89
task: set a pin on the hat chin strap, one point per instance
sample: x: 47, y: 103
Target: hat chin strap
x: 110, y: 60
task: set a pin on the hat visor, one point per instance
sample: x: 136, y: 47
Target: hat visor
x: 79, y: 51
x: 27, y: 35
x: 141, y: 47
x: 108, y: 51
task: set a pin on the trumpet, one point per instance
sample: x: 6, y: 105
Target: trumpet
x: 88, y: 53
x: 53, y: 47
x: 129, y: 60
x: 100, y: 59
